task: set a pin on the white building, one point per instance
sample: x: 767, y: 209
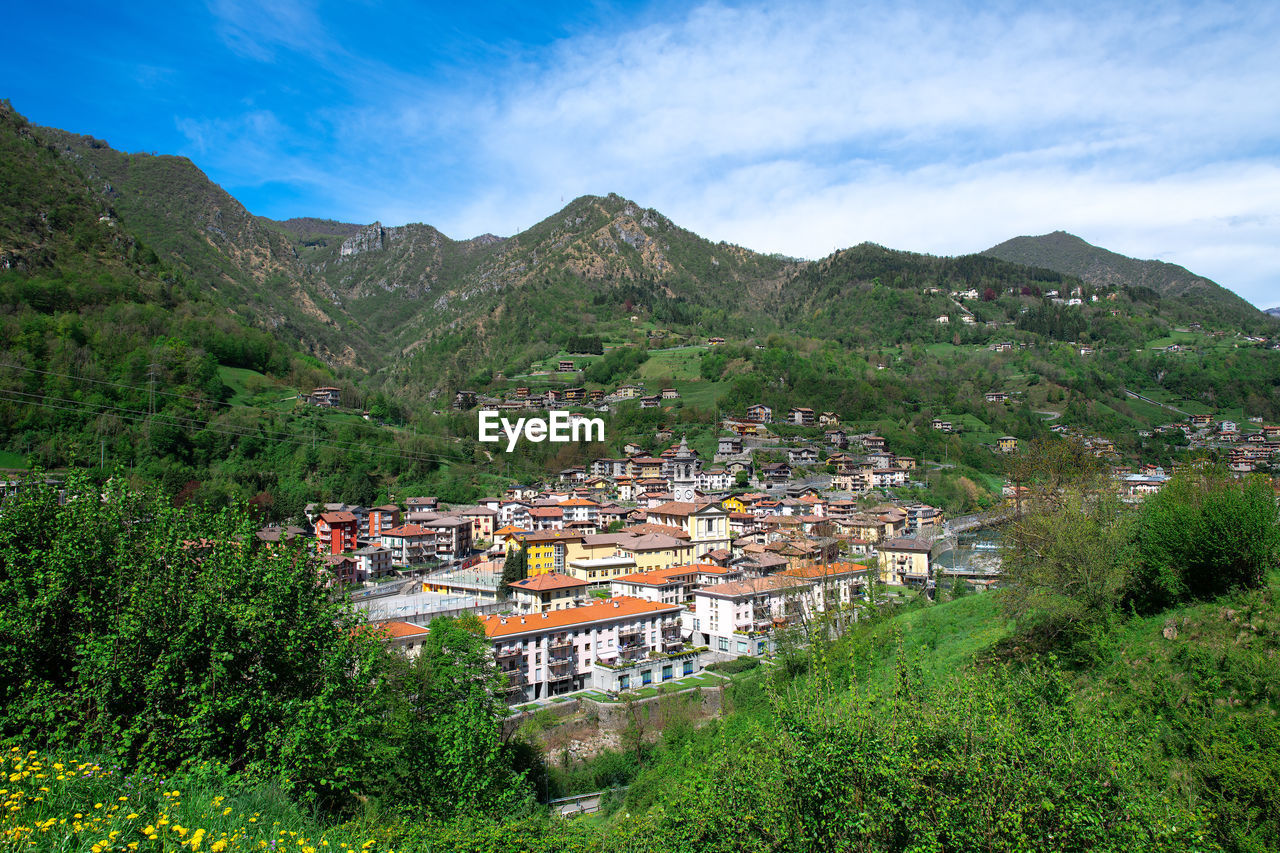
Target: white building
x: 547, y: 654
x: 739, y: 617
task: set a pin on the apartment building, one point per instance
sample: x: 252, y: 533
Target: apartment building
x: 556, y: 652
x: 739, y: 617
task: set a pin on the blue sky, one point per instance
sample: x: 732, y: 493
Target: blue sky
x: 946, y: 127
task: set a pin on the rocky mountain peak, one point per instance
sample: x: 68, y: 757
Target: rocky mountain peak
x: 367, y: 239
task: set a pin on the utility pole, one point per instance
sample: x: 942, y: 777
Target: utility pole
x: 151, y: 399
x: 151, y: 388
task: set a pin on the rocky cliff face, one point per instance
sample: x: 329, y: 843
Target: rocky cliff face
x: 368, y: 239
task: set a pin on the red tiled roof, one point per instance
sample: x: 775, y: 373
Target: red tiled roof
x: 337, y: 517
x: 754, y: 586
x: 406, y: 530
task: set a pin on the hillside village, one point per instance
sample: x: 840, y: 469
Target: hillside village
x: 642, y: 569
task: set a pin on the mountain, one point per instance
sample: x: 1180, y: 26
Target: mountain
x: 246, y: 263
x: 1274, y: 312
x: 1070, y: 255
x: 136, y: 268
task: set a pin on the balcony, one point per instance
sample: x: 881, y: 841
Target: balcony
x: 669, y: 631
x: 516, y: 678
x: 561, y: 646
x: 508, y: 652
x: 560, y: 666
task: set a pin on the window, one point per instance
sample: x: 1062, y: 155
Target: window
x: 742, y: 647
x: 646, y: 676
x: 760, y: 648
x: 666, y: 672
x: 724, y: 644
x: 624, y: 682
x: 688, y: 667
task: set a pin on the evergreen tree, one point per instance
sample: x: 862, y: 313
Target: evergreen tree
x: 516, y: 568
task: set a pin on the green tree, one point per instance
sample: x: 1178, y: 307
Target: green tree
x: 451, y: 758
x: 514, y: 568
x: 163, y: 634
x: 1203, y: 534
x: 1067, y: 550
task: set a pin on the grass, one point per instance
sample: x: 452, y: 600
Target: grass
x: 942, y: 637
x: 700, y: 394
x: 9, y: 459
x: 683, y: 363
x: 1154, y: 414
x: 251, y: 388
x: 80, y: 804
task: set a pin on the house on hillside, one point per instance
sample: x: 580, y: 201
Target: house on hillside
x: 329, y: 397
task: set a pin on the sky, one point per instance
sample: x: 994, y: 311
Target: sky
x: 800, y: 128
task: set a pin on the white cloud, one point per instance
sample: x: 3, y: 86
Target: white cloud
x: 805, y: 129
x: 801, y: 128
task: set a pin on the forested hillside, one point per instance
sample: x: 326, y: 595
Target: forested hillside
x: 152, y: 323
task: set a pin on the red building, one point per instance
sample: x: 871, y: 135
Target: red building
x: 383, y: 518
x: 337, y: 530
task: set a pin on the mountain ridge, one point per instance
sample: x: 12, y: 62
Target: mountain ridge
x: 1072, y: 255
x: 413, y: 306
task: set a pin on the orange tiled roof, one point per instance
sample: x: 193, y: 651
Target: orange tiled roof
x: 609, y: 609
x: 826, y: 571
x: 681, y: 508
x: 395, y: 629
x: 658, y: 577
x: 550, y: 535
x: 650, y: 527
x: 754, y: 586
x: 549, y: 581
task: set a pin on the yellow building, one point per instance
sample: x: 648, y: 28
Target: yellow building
x: 549, y: 550
x: 707, y: 525
x: 733, y: 505
x: 904, y: 562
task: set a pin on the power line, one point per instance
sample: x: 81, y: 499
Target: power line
x: 75, y: 378
x: 193, y: 424
x: 196, y: 400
